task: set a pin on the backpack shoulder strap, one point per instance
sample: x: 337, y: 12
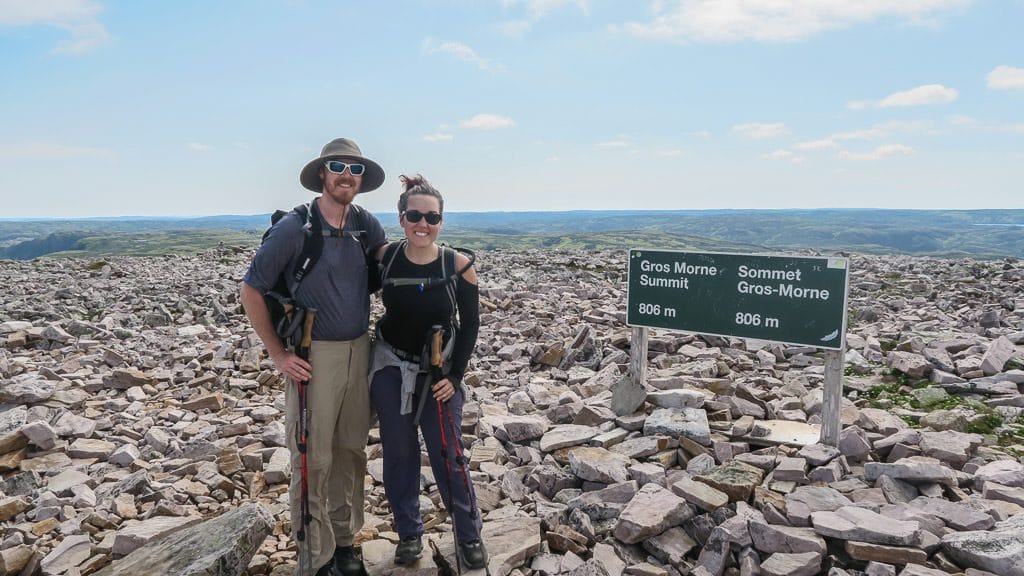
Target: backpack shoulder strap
x: 362, y: 222
x: 447, y: 261
x: 312, y: 244
x: 389, y: 258
x: 450, y: 276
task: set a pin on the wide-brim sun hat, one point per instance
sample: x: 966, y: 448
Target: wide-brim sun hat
x: 341, y: 149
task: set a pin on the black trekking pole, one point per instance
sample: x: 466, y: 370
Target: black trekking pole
x: 433, y: 375
x: 302, y: 433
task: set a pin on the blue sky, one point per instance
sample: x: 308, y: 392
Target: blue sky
x: 204, y: 107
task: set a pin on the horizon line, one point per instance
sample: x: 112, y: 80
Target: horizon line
x: 471, y: 212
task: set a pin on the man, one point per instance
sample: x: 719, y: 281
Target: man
x: 337, y: 396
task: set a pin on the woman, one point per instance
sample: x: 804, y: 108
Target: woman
x: 425, y: 287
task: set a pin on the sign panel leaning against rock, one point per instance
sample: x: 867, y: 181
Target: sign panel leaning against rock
x: 338, y: 398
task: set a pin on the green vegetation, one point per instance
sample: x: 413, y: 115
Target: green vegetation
x: 945, y: 233
x: 946, y: 403
x: 887, y: 395
x: 911, y: 421
x: 900, y: 377
x: 982, y: 419
x: 138, y: 244
x: 1012, y: 438
x: 590, y: 241
x: 883, y: 391
x: 986, y: 420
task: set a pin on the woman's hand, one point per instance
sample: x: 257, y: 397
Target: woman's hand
x: 444, y: 390
x: 289, y: 364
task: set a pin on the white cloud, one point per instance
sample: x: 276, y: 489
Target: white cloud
x: 927, y: 94
x: 45, y: 151
x: 975, y: 124
x: 784, y: 155
x: 835, y: 141
x: 825, y: 144
x: 540, y: 8
x: 535, y: 11
x: 773, y: 20
x: 866, y: 134
x: 77, y: 17
x: 859, y: 104
x: 881, y: 131
x: 760, y: 131
x: 461, y: 52
x: 515, y: 28
x: 879, y: 153
x: 488, y: 122
x: 198, y: 147
x: 961, y: 120
x: 1005, y: 78
x: 671, y: 153
x: 619, y: 143
x: 438, y: 137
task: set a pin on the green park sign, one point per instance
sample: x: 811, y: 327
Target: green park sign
x: 790, y: 299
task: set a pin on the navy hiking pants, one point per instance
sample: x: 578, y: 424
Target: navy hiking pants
x: 401, y: 446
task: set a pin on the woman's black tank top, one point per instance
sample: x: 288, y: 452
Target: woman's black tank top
x: 409, y: 310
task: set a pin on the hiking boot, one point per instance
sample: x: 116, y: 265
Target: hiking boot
x: 348, y: 561
x: 327, y: 570
x: 409, y: 550
x: 473, y: 554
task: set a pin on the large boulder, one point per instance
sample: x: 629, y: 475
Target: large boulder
x: 222, y: 546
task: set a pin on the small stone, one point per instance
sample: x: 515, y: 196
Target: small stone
x: 72, y: 551
x: 652, y: 511
x: 11, y: 507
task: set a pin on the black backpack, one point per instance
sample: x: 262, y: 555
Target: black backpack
x: 280, y: 300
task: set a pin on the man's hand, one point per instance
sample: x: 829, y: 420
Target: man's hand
x: 289, y: 364
x: 444, y: 390
x: 286, y: 362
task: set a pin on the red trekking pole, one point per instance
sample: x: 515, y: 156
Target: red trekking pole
x: 444, y: 417
x: 302, y: 433
x: 436, y: 369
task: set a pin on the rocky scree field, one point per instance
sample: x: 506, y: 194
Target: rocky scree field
x: 142, y: 429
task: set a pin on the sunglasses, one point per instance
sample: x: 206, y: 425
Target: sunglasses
x: 414, y: 216
x: 338, y: 167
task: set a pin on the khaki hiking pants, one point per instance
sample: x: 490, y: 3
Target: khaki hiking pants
x: 338, y: 404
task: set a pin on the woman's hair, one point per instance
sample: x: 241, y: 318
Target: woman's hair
x: 417, y: 186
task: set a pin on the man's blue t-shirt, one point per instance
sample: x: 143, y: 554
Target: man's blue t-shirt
x: 336, y: 286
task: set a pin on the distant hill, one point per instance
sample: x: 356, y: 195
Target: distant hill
x: 943, y: 233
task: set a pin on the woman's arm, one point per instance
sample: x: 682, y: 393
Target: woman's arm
x: 467, y: 298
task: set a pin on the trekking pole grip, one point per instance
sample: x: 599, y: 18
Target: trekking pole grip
x: 307, y: 328
x: 435, y: 347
